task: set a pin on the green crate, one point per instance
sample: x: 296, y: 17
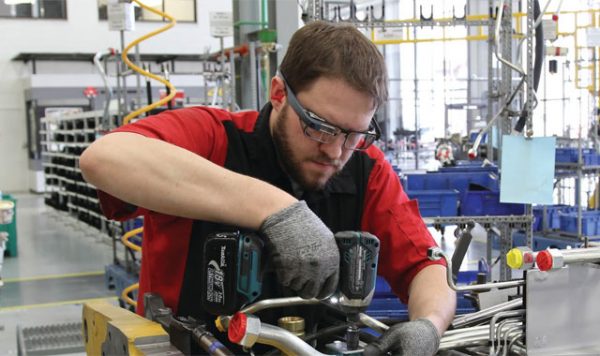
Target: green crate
x: 11, y: 229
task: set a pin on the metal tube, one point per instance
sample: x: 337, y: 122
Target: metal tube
x: 124, y: 77
x: 462, y: 330
x: 518, y: 349
x: 468, y: 333
x: 232, y: 89
x: 108, y: 90
x: 505, y: 314
x: 210, y: 344
x: 514, y: 339
x: 224, y: 320
x: 372, y: 323
x: 486, y: 313
x: 497, y: 39
x: 285, y: 341
x: 436, y: 253
x: 511, y: 333
x: 500, y: 331
x: 277, y: 303
x: 556, y: 259
x: 581, y: 255
x: 483, y: 340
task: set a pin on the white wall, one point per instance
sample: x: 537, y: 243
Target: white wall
x: 82, y: 32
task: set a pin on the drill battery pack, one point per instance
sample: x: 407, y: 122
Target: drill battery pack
x: 231, y: 271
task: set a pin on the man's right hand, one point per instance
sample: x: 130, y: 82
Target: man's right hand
x: 303, y: 251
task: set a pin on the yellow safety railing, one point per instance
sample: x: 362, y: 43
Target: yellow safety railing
x: 129, y: 235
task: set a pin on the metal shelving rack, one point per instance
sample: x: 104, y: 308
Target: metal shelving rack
x: 504, y: 224
x: 63, y: 139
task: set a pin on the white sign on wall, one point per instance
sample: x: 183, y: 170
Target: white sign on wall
x: 120, y: 16
x: 550, y: 29
x: 221, y: 24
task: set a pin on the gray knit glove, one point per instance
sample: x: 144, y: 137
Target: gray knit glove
x: 303, y: 251
x: 414, y: 338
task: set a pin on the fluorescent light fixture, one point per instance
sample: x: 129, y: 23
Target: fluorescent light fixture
x: 18, y: 2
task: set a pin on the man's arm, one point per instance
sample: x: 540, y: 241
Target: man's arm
x: 168, y: 179
x: 431, y: 308
x: 431, y: 298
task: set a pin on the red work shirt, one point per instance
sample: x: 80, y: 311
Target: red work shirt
x: 386, y: 211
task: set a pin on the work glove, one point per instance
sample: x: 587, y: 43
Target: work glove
x: 303, y: 251
x: 414, y: 338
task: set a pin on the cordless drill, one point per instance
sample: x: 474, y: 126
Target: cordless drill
x: 359, y: 252
x: 231, y: 274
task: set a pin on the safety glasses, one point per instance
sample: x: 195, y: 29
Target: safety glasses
x: 320, y: 130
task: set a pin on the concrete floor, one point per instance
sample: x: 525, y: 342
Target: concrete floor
x: 60, y: 265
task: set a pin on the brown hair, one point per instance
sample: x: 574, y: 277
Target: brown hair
x: 339, y: 51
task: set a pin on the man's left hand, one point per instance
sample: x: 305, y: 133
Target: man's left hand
x: 414, y: 338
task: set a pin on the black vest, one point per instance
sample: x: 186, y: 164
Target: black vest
x: 339, y: 205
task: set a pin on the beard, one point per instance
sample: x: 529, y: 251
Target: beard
x: 290, y: 163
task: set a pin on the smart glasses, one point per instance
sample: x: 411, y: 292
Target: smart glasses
x: 320, y: 130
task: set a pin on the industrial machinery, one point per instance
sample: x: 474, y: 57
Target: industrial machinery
x: 231, y: 265
x: 528, y: 316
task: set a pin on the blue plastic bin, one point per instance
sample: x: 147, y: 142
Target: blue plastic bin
x: 436, y: 202
x: 480, y: 203
x: 553, y: 213
x: 590, y: 159
x: 565, y: 155
x: 452, y: 180
x: 571, y: 155
x: 589, y: 222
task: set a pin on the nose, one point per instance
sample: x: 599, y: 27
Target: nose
x: 334, y: 149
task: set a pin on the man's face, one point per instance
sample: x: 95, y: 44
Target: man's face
x: 310, y: 163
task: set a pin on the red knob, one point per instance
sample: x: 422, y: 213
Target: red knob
x: 544, y: 260
x: 237, y: 327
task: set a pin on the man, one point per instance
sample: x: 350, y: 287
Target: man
x: 298, y: 170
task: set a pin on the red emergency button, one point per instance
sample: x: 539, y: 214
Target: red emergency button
x: 237, y: 327
x: 544, y: 260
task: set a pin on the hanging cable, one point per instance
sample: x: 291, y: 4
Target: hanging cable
x: 129, y: 235
x: 125, y: 294
x: 125, y: 240
x: 537, y: 65
x: 146, y: 73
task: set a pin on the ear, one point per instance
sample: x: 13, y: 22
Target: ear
x: 278, y: 93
